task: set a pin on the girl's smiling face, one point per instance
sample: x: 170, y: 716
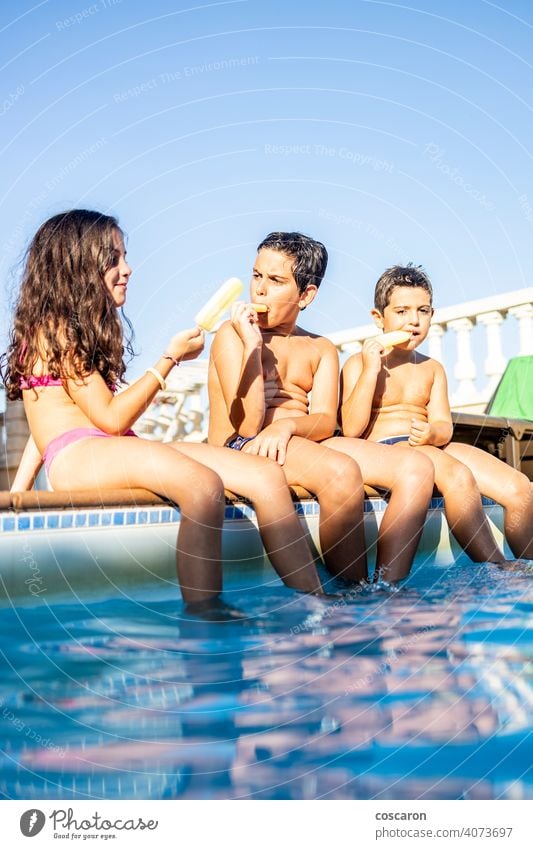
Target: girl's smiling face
x: 117, y: 275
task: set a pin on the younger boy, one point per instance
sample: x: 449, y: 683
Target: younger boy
x: 263, y: 368
x: 400, y: 394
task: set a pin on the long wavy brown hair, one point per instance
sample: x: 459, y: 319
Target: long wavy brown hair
x: 64, y: 314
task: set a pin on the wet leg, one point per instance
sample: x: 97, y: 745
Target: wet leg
x: 337, y: 483
x: 463, y: 508
x: 409, y: 478
x: 508, y: 487
x: 264, y: 483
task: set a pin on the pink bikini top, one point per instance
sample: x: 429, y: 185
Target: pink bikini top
x: 33, y: 380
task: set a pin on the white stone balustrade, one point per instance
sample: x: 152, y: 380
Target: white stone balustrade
x: 524, y: 314
x: 484, y: 328
x: 181, y: 411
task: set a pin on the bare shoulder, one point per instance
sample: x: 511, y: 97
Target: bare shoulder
x: 433, y: 372
x: 434, y: 365
x: 319, y: 342
x: 225, y: 332
x: 226, y: 340
x: 427, y: 362
x: 353, y: 362
x: 352, y: 368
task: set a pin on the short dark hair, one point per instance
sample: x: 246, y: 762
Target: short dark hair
x: 400, y: 275
x: 310, y: 257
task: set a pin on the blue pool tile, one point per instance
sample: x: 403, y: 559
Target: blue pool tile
x: 23, y: 523
x: 154, y: 516
x: 118, y: 518
x: 81, y: 520
x: 66, y: 521
x: 165, y: 515
x: 94, y: 519
x: 143, y: 517
x: 174, y: 515
x: 106, y: 518
x: 242, y: 511
x: 376, y: 505
x: 38, y: 523
x: 52, y: 522
x: 8, y: 524
x: 131, y: 518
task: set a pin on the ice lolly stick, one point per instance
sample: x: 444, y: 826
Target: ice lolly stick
x: 211, y: 313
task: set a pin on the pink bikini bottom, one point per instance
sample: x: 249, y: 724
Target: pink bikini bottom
x: 56, y: 445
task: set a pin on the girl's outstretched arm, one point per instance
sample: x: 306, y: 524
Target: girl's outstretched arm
x: 29, y: 466
x: 115, y: 414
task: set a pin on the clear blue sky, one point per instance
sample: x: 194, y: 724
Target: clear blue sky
x: 391, y: 132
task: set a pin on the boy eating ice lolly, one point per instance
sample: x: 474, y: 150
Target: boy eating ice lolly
x: 400, y: 396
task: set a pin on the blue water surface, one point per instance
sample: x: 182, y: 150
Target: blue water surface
x: 421, y: 693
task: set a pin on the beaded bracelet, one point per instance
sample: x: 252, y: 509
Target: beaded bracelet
x: 167, y: 356
x: 159, y: 377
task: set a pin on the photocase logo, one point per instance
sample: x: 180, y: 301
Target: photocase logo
x: 32, y: 822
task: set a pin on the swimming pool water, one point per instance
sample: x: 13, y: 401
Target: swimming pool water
x: 422, y: 693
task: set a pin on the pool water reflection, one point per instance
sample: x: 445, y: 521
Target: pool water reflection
x: 422, y: 693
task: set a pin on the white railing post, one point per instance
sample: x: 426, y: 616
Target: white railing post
x: 495, y: 361
x: 524, y: 315
x: 436, y: 332
x: 465, y: 367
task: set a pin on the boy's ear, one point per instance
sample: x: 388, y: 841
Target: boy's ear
x: 378, y: 318
x: 307, y: 296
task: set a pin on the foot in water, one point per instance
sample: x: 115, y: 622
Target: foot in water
x: 215, y: 610
x: 381, y: 583
x: 522, y: 566
x: 335, y: 585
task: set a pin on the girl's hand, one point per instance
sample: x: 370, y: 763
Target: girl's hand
x: 420, y: 433
x: 372, y: 353
x: 244, y: 320
x: 187, y: 344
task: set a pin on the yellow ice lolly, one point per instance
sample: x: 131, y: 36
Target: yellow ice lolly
x: 259, y: 307
x: 212, y: 312
x: 393, y: 337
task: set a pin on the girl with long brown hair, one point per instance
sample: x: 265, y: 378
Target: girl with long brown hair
x: 65, y: 359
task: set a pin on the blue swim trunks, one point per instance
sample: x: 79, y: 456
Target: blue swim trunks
x: 392, y: 440
x: 238, y: 442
